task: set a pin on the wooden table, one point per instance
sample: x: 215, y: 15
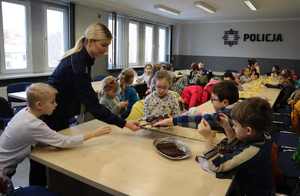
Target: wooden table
x: 22, y: 95
x: 126, y: 163
x: 270, y: 94
x: 18, y: 95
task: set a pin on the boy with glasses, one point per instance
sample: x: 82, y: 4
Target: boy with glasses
x: 223, y: 96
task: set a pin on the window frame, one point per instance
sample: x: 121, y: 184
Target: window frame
x: 153, y: 36
x: 138, y: 45
x: 29, y: 66
x: 45, y: 38
x: 166, y: 44
x: 122, y: 42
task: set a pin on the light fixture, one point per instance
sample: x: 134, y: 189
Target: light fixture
x: 250, y: 4
x: 204, y: 6
x: 166, y: 9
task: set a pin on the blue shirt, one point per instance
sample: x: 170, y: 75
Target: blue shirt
x: 131, y: 96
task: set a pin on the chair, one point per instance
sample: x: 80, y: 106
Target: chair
x: 6, y: 113
x: 141, y: 89
x: 16, y: 104
x: 99, y: 77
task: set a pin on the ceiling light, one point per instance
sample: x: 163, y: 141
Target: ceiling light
x: 205, y: 7
x: 250, y: 5
x: 166, y: 9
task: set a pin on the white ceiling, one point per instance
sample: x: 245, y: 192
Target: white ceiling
x: 226, y: 9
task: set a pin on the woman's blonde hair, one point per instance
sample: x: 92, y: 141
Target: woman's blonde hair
x: 95, y: 31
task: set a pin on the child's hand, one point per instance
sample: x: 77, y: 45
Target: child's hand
x: 101, y: 131
x: 164, y: 123
x: 98, y: 132
x: 224, y: 120
x: 205, y: 129
x: 123, y: 104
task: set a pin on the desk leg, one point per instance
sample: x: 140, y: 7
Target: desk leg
x: 66, y: 185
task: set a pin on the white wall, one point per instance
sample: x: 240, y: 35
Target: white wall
x: 205, y: 39
x: 83, y: 17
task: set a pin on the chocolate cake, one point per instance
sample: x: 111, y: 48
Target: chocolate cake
x: 170, y: 149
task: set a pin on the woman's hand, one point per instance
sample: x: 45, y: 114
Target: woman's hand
x: 132, y: 125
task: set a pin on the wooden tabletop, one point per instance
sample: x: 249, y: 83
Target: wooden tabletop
x: 22, y: 95
x: 124, y: 162
x: 19, y: 95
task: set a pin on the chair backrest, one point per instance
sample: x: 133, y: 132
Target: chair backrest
x: 6, y: 113
x: 5, y: 109
x: 141, y: 89
x: 99, y: 77
x: 16, y: 87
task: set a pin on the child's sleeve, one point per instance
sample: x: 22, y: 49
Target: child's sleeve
x: 175, y: 106
x: 213, y: 122
x: 187, y: 121
x: 148, y: 106
x: 43, y: 134
x: 229, y: 161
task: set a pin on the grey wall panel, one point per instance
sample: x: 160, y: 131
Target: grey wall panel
x: 217, y: 63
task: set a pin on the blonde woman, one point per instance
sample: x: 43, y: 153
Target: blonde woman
x: 72, y: 80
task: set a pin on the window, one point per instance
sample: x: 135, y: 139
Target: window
x: 133, y: 43
x: 33, y: 35
x: 148, y: 44
x: 110, y: 48
x: 137, y: 42
x: 14, y: 36
x: 162, y: 45
x: 56, y: 44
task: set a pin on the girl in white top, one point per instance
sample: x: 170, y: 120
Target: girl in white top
x: 26, y: 129
x: 146, y: 75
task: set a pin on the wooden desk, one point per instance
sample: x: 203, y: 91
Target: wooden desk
x: 19, y: 95
x: 22, y: 95
x: 270, y: 94
x: 126, y: 163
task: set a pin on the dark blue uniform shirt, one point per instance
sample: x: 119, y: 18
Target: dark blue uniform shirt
x: 72, y: 79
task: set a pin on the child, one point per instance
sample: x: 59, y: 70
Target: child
x: 108, y: 96
x: 161, y: 102
x: 128, y: 93
x: 26, y: 129
x: 224, y: 95
x: 275, y: 71
x: 152, y: 79
x: 249, y: 159
x: 146, y: 75
x: 245, y: 75
x: 254, y: 75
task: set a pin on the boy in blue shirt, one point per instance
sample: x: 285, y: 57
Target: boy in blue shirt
x: 223, y: 97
